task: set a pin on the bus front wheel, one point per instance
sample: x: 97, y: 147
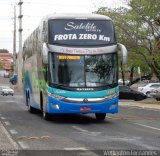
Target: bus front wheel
x: 100, y: 116
x: 46, y: 116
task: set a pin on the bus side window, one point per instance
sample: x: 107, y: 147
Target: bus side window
x: 44, y: 32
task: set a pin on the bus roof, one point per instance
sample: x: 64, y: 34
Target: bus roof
x: 76, y: 16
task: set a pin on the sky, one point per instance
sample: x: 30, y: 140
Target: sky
x: 34, y: 10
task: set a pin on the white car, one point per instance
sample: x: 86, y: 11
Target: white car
x: 5, y: 90
x: 147, y: 89
x: 120, y: 81
x: 2, y: 87
x: 156, y: 93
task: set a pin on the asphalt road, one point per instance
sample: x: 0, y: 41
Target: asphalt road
x: 133, y: 128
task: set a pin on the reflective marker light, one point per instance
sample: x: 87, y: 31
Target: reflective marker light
x: 113, y: 106
x: 55, y: 106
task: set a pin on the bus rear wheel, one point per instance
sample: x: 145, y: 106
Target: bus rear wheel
x: 100, y: 116
x: 30, y: 108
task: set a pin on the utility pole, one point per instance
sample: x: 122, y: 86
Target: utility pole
x: 20, y: 47
x: 14, y: 42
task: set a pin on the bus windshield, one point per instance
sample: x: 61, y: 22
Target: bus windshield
x: 81, y: 32
x: 84, y: 70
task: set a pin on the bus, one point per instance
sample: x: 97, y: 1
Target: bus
x: 70, y: 66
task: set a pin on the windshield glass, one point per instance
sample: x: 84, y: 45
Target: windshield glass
x: 83, y: 71
x: 81, y: 32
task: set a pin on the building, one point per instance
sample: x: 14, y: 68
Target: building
x: 6, y: 61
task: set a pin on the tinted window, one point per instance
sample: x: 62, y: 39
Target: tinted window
x: 81, y: 32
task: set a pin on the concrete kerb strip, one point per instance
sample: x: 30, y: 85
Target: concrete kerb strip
x: 140, y: 104
x: 6, y: 141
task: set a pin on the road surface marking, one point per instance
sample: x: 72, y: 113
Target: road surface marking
x: 147, y: 126
x: 13, y: 131
x: 109, y: 117
x: 82, y: 151
x: 83, y: 131
x: 77, y: 148
x: 3, y: 118
x: 23, y: 145
x: 7, y: 101
x: 7, y: 123
x: 80, y: 129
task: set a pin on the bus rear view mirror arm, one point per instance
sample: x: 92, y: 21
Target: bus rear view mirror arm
x: 124, y: 53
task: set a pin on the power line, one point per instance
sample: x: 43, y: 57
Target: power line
x: 52, y: 4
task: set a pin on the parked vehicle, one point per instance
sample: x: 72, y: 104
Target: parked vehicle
x: 147, y: 88
x: 1, y: 87
x: 126, y: 92
x: 3, y: 73
x: 5, y: 90
x: 155, y: 93
x: 142, y: 78
x: 13, y: 79
x: 120, y: 81
x: 157, y: 96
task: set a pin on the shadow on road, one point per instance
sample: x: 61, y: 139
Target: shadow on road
x: 74, y: 119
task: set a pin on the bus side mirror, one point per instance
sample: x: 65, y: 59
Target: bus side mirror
x: 45, y: 54
x: 124, y: 53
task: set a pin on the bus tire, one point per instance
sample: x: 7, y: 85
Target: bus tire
x: 100, y: 116
x: 41, y: 102
x: 26, y: 99
x: 30, y: 108
x: 46, y: 116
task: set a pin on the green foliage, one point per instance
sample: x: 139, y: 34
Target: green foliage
x: 4, y: 51
x: 1, y: 66
x: 139, y: 29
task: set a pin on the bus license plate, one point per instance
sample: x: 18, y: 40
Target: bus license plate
x: 85, y: 108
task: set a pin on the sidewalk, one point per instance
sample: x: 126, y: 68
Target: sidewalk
x: 6, y: 142
x: 151, y: 104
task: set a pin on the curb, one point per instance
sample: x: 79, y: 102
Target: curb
x: 6, y: 141
x: 140, y: 104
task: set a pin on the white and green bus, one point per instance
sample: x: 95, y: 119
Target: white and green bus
x: 70, y: 65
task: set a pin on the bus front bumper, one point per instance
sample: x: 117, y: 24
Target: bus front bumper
x: 56, y: 106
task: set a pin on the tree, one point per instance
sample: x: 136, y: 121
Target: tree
x: 1, y: 66
x: 139, y: 29
x: 4, y: 51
